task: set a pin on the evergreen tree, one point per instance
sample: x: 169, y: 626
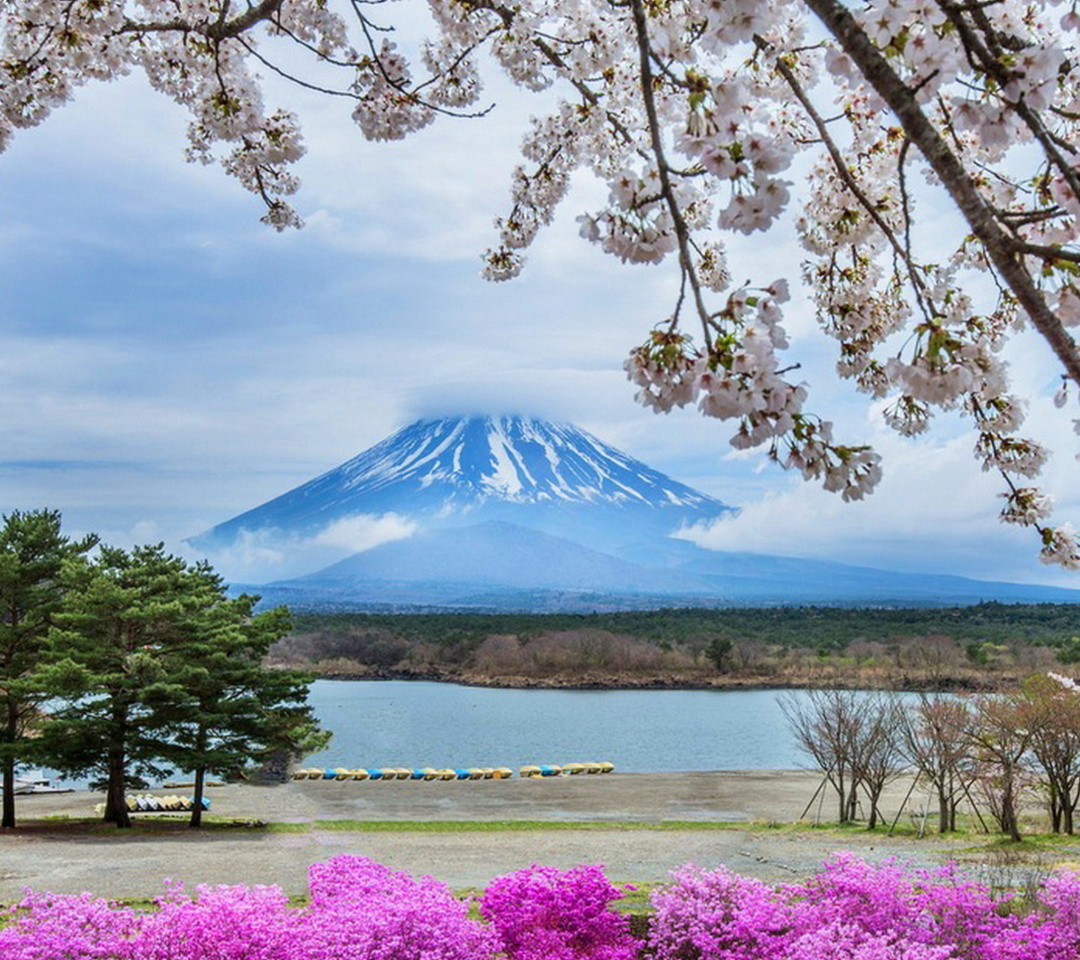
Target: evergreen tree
x: 122, y: 617
x: 160, y: 670
x: 32, y: 553
x: 220, y: 708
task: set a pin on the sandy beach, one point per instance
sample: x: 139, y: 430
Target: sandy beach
x: 46, y: 853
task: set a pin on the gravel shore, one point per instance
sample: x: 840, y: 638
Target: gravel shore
x: 50, y: 854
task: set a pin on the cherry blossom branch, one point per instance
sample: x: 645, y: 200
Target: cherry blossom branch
x: 902, y: 250
x: 991, y: 64
x: 1001, y: 248
x: 682, y: 234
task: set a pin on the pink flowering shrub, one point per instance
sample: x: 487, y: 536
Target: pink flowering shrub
x: 362, y: 910
x: 223, y: 923
x: 542, y: 913
x: 853, y: 910
x: 48, y: 927
x: 1054, y: 932
x: 716, y: 915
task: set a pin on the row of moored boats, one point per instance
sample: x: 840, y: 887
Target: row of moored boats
x: 451, y: 773
x: 170, y: 803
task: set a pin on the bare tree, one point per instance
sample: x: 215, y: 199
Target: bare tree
x: 876, y: 757
x: 1000, y: 736
x: 1052, y: 713
x: 826, y: 726
x: 934, y: 739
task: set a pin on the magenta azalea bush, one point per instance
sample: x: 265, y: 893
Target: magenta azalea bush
x: 541, y: 913
x: 362, y: 910
x: 853, y: 910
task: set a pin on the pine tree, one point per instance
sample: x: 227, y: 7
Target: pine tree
x: 121, y: 618
x: 32, y: 552
x: 160, y: 670
x: 223, y: 709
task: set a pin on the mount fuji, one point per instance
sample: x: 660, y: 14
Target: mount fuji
x: 520, y: 513
x: 554, y: 478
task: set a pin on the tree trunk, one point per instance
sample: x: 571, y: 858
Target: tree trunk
x: 11, y: 733
x: 8, y: 818
x: 1054, y: 806
x: 116, y: 810
x: 1009, y: 823
x: 196, y: 810
x: 852, y: 802
x: 841, y: 793
x: 943, y: 804
x: 872, y: 822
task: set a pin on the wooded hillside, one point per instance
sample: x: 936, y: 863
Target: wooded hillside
x: 984, y: 646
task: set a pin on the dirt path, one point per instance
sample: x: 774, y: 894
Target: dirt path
x: 46, y: 855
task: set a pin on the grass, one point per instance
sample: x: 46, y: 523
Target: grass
x: 150, y: 824
x: 506, y: 826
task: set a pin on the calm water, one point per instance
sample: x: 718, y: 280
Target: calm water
x: 410, y: 724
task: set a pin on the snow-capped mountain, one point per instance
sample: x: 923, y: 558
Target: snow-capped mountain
x: 551, y: 477
x: 524, y: 514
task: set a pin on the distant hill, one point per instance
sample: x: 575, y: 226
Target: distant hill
x: 517, y: 513
x: 501, y: 566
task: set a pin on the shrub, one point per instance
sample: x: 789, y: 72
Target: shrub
x: 47, y: 927
x: 362, y: 910
x: 542, y: 913
x: 222, y: 923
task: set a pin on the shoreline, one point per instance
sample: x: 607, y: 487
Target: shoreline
x: 662, y: 682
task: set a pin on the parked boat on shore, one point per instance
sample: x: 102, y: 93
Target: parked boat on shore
x: 35, y: 781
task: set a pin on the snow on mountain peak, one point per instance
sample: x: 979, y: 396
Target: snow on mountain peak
x: 547, y: 476
x: 514, y: 458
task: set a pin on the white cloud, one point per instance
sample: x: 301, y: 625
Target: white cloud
x: 361, y: 532
x: 259, y: 556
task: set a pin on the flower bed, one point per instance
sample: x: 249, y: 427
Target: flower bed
x: 362, y: 910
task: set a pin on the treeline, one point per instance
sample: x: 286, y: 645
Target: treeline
x: 117, y: 666
x: 833, y: 628
x: 987, y: 645
x: 988, y: 752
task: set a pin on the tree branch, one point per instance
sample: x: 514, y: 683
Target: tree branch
x: 682, y: 233
x: 1001, y: 248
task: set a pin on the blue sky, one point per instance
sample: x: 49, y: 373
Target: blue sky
x: 166, y: 361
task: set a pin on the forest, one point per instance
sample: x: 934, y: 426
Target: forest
x: 986, y: 646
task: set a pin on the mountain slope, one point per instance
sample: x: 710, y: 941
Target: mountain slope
x: 499, y: 554
x: 500, y: 566
x: 520, y: 513
x: 551, y: 477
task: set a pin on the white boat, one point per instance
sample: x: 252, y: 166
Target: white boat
x: 35, y: 781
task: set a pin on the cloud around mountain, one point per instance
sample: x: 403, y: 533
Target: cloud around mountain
x: 516, y: 512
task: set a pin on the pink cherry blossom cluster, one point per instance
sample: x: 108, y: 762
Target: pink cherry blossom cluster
x: 360, y: 910
x: 737, y: 376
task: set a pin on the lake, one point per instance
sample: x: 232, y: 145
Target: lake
x: 419, y: 724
